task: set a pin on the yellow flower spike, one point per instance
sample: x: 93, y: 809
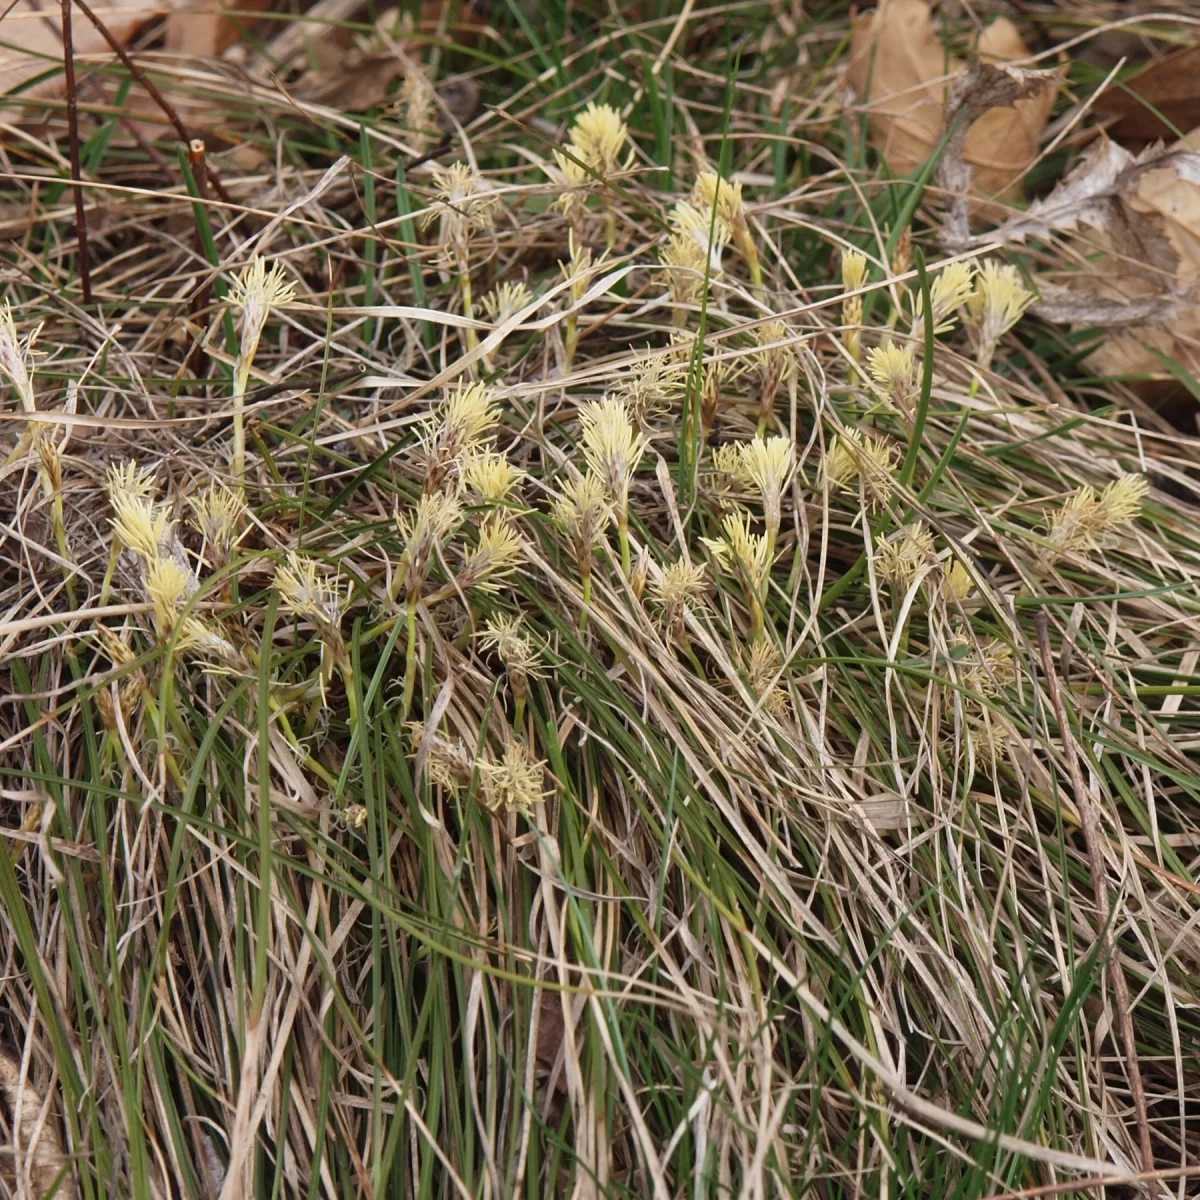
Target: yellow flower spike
x: 496, y: 557
x: 989, y: 669
x: 950, y: 290
x: 310, y: 590
x: 740, y: 549
x: 15, y: 355
x: 1121, y: 501
x: 653, y: 385
x: 510, y: 640
x: 854, y: 276
x: 679, y: 588
x: 762, y: 667
x: 141, y: 526
x: 130, y: 480
x: 900, y: 559
x: 997, y: 303
x: 513, y: 783
x: 506, y: 300
x: 893, y: 367
x: 768, y: 464
x: 217, y: 513
x: 488, y: 476
x: 168, y: 586
x: 1085, y: 517
x: 613, y: 450
x: 708, y: 235
x: 711, y: 191
x: 460, y: 425
x: 683, y: 263
x: 583, y: 509
x: 959, y: 580
x: 422, y: 529
x: 418, y: 108
x: 464, y: 205
x: 611, y: 446
x: 851, y: 455
x: 598, y: 138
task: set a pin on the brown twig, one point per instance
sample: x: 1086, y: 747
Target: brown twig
x: 197, y: 360
x: 85, y: 273
x: 167, y: 107
x: 1096, y: 1181
x: 1091, y: 835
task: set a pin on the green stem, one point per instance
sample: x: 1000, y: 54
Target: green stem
x: 410, y: 660
x: 585, y: 576
x: 623, y: 538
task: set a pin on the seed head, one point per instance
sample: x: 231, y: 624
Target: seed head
x: 417, y: 107
x: 506, y: 300
x: 488, y: 476
x: 496, y: 556
x: 447, y: 762
x: 512, y: 783
x: 584, y: 509
x: 310, y: 591
x: 894, y: 369
x: 988, y: 669
x: 1121, y: 500
x: 901, y: 558
x: 768, y: 463
x: 995, y: 306
x: 464, y: 203
x: 168, y: 586
x: 740, y: 550
x: 216, y: 514
x: 775, y: 359
x: 598, y: 137
x: 611, y: 446
x: 15, y: 355
x: 948, y: 292
x: 683, y: 263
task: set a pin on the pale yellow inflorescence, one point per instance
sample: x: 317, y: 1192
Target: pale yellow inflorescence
x: 948, y: 292
x: 996, y: 304
x: 851, y: 455
x: 1087, y: 515
x: 611, y: 446
x: 514, y: 782
x: 310, y: 590
x: 739, y: 549
x: 901, y: 558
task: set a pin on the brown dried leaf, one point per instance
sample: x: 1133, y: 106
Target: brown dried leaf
x: 33, y: 41
x: 1163, y: 91
x: 1143, y: 216
x: 34, y: 1128
x: 205, y: 28
x: 904, y: 76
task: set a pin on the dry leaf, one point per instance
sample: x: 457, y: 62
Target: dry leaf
x: 205, y: 28
x: 35, y: 29
x: 34, y: 1127
x: 899, y: 68
x: 1157, y: 101
x: 1136, y: 220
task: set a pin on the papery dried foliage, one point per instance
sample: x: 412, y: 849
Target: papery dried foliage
x: 905, y: 78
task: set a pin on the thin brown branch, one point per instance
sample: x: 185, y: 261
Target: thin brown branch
x: 1091, y: 834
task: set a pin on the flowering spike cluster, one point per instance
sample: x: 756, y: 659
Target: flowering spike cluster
x: 762, y: 669
x: 506, y: 300
x: 765, y: 464
x: 513, y: 783
x: 678, y: 588
x: 740, y: 550
x: 854, y: 276
x: 422, y: 530
x: 894, y: 368
x: 611, y: 446
x: 852, y: 456
x: 464, y: 203
x: 594, y: 148
x: 310, y: 591
x: 256, y: 291
x: 417, y: 107
x: 217, y: 513
x: 1085, y: 517
x: 901, y: 558
x: 488, y: 476
x: 15, y: 354
x: 997, y: 303
x: 461, y: 425
x: 959, y: 580
x: 497, y: 554
x: 710, y: 193
x: 949, y: 291
x: 584, y: 510
x: 654, y: 384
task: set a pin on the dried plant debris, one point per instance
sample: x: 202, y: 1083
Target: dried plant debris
x: 1134, y: 226
x: 913, y: 90
x: 32, y: 1159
